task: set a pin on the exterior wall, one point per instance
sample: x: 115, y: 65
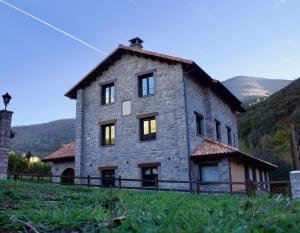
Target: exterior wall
x: 5, y: 127
x: 170, y: 148
x: 204, y: 101
x: 237, y: 175
x: 224, y: 174
x: 58, y: 168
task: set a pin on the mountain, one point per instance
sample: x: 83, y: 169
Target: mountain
x: 248, y: 89
x: 42, y: 139
x: 264, y: 127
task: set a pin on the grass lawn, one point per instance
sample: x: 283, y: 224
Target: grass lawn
x: 56, y: 208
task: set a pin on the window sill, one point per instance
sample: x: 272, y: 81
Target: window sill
x: 103, y: 105
x: 105, y: 146
x: 200, y: 135
x: 150, y: 140
x: 141, y: 97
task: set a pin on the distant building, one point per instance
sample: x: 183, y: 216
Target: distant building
x: 142, y: 114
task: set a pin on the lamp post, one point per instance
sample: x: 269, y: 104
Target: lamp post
x: 6, y: 99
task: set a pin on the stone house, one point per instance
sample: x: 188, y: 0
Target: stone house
x: 142, y: 114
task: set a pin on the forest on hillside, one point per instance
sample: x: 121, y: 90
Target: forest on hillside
x: 264, y: 128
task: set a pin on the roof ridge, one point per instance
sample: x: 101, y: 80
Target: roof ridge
x: 221, y: 144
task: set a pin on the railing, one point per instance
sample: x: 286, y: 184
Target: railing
x: 248, y: 187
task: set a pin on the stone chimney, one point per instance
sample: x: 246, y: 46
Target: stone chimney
x: 136, y: 43
x: 5, y: 132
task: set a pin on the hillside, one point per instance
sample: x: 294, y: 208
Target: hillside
x: 42, y: 139
x: 248, y: 88
x: 264, y: 131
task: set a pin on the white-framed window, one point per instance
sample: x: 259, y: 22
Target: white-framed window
x: 209, y: 172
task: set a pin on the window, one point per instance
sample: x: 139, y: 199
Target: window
x: 108, y: 134
x: 218, y: 130
x: 126, y: 108
x: 234, y: 142
x: 146, y: 85
x: 108, y: 178
x: 199, y: 123
x: 254, y: 174
x: 108, y: 94
x: 209, y: 173
x: 229, y: 138
x: 148, y: 129
x: 149, y: 175
x: 247, y: 175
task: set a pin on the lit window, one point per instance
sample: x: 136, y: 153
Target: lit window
x: 146, y: 85
x: 148, y: 129
x: 108, y: 94
x: 209, y: 173
x: 108, y: 134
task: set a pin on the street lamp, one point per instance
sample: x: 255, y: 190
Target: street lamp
x: 6, y: 99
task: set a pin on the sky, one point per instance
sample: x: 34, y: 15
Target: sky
x: 39, y: 64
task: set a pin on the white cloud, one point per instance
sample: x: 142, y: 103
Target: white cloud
x: 291, y: 41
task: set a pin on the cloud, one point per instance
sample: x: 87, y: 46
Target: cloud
x: 281, y: 1
x: 291, y: 41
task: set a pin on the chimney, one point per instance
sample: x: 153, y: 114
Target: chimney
x: 136, y: 43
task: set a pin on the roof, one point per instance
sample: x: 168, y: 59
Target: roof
x: 213, y: 149
x: 66, y: 152
x: 189, y: 66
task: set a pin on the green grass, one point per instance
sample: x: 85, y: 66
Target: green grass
x: 57, y: 208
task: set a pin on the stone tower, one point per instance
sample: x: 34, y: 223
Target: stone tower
x: 5, y: 131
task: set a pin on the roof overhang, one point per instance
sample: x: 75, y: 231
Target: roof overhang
x: 59, y: 160
x: 188, y: 66
x: 236, y: 155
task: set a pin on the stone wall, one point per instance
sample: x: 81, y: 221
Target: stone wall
x: 58, y: 169
x: 295, y: 184
x: 170, y: 147
x: 5, y: 131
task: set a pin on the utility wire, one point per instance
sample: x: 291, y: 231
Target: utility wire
x: 53, y: 27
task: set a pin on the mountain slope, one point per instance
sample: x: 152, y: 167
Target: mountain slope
x: 248, y: 88
x: 264, y: 128
x: 43, y: 139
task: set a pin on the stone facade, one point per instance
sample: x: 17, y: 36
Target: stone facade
x: 295, y: 184
x: 5, y: 131
x: 176, y: 98
x: 59, y: 168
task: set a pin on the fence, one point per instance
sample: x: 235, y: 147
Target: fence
x: 250, y: 188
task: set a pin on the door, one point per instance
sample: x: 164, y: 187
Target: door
x: 68, y: 176
x: 149, y: 174
x: 108, y: 178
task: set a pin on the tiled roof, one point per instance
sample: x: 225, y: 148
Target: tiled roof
x: 210, y: 148
x: 189, y: 66
x: 66, y: 152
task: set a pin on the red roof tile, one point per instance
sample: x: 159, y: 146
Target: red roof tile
x: 210, y: 148
x: 189, y: 66
x: 66, y: 152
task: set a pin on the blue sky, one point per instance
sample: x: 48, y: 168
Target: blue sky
x: 226, y: 38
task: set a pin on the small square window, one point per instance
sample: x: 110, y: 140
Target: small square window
x: 126, y: 108
x: 209, y: 173
x: 108, y: 93
x: 148, y: 129
x: 108, y: 134
x: 146, y: 85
